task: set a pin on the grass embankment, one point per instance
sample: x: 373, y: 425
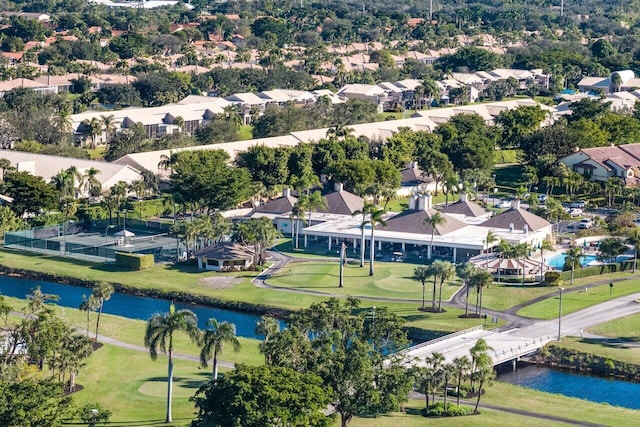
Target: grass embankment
x: 626, y: 351
x: 574, y: 301
x: 504, y: 296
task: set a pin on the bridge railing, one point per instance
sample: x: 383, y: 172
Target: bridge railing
x: 520, y: 349
x: 443, y: 338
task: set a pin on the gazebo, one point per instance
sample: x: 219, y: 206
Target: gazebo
x: 509, y: 267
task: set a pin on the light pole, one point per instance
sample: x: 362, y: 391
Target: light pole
x: 94, y: 415
x: 124, y: 221
x: 560, y: 314
x: 106, y: 239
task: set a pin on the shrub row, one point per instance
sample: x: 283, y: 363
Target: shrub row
x: 453, y: 410
x: 597, y: 270
x: 134, y: 261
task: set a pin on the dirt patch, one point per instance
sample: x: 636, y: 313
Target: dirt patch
x: 218, y: 282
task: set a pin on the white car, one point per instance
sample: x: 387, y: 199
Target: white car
x: 503, y: 204
x: 585, y: 223
x: 575, y: 212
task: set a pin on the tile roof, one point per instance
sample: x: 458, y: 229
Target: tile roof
x: 465, y: 208
x: 516, y: 218
x: 414, y: 221
x: 280, y: 205
x: 226, y: 251
x: 342, y: 203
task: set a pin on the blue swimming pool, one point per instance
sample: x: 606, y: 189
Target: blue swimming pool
x: 557, y: 261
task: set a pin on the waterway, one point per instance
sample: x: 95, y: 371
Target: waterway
x: 596, y: 389
x: 130, y: 306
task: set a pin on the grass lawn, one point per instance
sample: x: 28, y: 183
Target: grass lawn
x: 625, y: 328
x: 509, y: 176
x: 623, y: 352
x: 391, y: 280
x: 96, y: 153
x: 504, y: 296
x: 245, y: 132
x: 574, y: 301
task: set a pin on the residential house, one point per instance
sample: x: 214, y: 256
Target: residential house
x: 601, y: 163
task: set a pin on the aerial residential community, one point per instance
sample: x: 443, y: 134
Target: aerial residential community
x: 336, y: 213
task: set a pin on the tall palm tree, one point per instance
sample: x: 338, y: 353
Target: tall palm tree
x: 491, y: 238
x: 363, y: 224
x: 159, y: 336
x: 479, y: 280
x: 215, y: 335
x: 93, y: 128
x: 179, y: 121
x: 91, y: 182
x: 421, y: 274
x: 522, y: 253
x: 545, y: 245
x: 463, y: 368
x: 109, y: 124
x: 298, y: 214
x: 434, y: 220
x: 89, y: 304
x: 465, y: 271
x: 315, y: 201
x: 634, y: 240
x: 572, y: 259
x: 102, y: 292
x: 375, y: 218
x: 447, y: 271
x: 448, y: 372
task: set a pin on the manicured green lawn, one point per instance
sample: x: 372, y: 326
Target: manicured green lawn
x: 625, y: 328
x: 391, y: 280
x: 504, y: 296
x: 96, y: 153
x: 574, y: 301
x: 245, y: 132
x: 624, y: 352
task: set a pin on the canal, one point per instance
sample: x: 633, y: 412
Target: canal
x: 130, y: 306
x: 596, y: 389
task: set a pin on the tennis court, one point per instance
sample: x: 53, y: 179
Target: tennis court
x: 74, y: 241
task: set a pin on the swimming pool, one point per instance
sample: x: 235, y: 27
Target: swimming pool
x: 557, y: 261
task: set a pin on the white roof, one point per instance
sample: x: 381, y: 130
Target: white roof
x: 286, y: 95
x: 46, y: 167
x: 246, y: 98
x: 361, y: 89
x: 388, y: 86
x: 410, y: 84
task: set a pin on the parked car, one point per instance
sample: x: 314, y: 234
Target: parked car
x: 503, y: 204
x: 575, y: 212
x: 542, y: 198
x: 585, y: 223
x: 578, y: 204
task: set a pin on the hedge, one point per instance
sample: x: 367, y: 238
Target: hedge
x: 597, y: 270
x: 134, y: 261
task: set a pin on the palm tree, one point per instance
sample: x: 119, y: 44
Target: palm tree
x: 92, y: 182
x: 447, y: 271
x: 616, y: 82
x: 93, y: 128
x: 315, y: 201
x: 102, y: 292
x: 363, y: 224
x: 421, y: 274
x: 4, y: 165
x: 434, y: 220
x: 448, y: 371
x: 572, y: 259
x: 463, y: 367
x: 545, y: 245
x: 89, y: 304
x: 179, y: 121
x: 298, y: 214
x: 375, y: 218
x: 634, y: 240
x: 522, y: 253
x: 491, y: 237
x: 109, y: 124
x: 465, y: 271
x: 428, y: 89
x: 159, y: 335
x: 479, y: 280
x: 215, y: 336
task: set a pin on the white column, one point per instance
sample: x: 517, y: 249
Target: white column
x: 455, y: 254
x: 305, y: 240
x: 403, y: 246
x: 379, y: 245
x: 330, y: 239
x: 429, y: 252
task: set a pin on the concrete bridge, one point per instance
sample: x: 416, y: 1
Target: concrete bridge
x: 511, y: 344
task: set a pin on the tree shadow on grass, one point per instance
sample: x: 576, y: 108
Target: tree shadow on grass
x: 620, y: 342
x: 178, y: 381
x: 141, y: 423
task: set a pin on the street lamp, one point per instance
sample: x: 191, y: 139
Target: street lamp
x: 560, y: 314
x: 106, y: 239
x: 124, y: 220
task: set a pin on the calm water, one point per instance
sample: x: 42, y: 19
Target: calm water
x: 595, y: 389
x: 131, y: 306
x: 557, y: 261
